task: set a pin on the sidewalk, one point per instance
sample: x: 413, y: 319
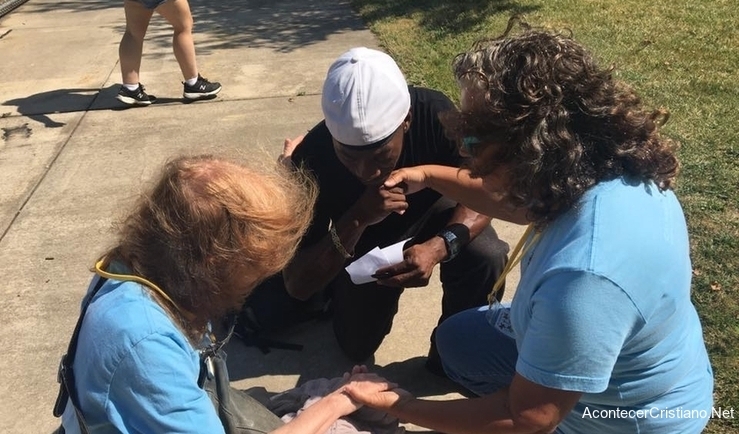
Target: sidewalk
x: 71, y: 161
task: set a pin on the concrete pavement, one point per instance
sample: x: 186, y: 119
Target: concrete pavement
x: 71, y: 160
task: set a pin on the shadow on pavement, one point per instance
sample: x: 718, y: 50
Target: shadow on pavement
x: 279, y: 25
x: 41, y: 105
x: 74, y: 5
x: 321, y: 357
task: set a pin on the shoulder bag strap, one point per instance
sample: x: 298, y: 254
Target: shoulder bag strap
x: 65, y: 377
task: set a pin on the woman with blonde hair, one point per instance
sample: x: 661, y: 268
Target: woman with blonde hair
x: 191, y: 251
x: 601, y: 335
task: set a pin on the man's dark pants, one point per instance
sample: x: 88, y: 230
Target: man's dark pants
x: 363, y: 314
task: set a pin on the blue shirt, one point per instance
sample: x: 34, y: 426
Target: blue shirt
x: 603, y: 308
x: 135, y: 371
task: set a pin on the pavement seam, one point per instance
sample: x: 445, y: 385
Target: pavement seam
x: 42, y: 177
x: 56, y: 156
x: 58, y: 152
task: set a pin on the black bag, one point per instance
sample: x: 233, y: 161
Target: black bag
x: 239, y: 413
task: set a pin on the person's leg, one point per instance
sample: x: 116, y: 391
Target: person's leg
x: 178, y: 15
x: 476, y: 351
x: 132, y: 43
x: 270, y: 308
x: 467, y: 279
x: 362, y: 314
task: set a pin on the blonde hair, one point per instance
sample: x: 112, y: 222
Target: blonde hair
x: 206, y: 224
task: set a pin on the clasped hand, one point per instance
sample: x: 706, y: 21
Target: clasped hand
x: 369, y: 389
x: 375, y: 204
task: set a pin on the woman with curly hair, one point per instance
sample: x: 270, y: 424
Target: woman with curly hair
x: 190, y: 252
x: 601, y: 336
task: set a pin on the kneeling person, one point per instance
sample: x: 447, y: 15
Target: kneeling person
x: 375, y: 123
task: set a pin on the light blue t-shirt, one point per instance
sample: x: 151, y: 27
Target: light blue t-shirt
x: 603, y: 308
x: 135, y: 371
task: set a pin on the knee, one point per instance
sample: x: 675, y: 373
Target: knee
x: 451, y: 348
x: 447, y: 336
x: 486, y: 254
x: 134, y: 35
x: 356, y: 349
x: 184, y: 26
x: 358, y: 342
x: 488, y: 247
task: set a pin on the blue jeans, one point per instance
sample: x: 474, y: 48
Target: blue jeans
x: 475, y: 352
x: 478, y: 350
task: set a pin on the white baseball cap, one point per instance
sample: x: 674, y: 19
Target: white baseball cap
x: 365, y: 97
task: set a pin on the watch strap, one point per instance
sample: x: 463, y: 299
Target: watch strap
x: 455, y: 237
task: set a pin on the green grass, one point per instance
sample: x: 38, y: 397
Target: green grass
x: 679, y: 54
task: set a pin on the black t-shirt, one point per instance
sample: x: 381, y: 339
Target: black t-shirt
x: 339, y: 189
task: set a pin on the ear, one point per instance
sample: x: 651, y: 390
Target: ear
x: 407, y: 122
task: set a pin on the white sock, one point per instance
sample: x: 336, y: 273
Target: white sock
x: 191, y: 81
x: 131, y: 87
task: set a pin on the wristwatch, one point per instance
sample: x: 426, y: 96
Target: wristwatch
x: 455, y: 237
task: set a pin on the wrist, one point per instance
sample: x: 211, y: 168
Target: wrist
x: 437, y: 247
x: 455, y: 237
x: 338, y: 244
x: 340, y: 403
x: 355, y: 218
x: 400, y: 407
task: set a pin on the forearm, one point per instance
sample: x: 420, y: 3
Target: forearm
x: 474, y: 221
x: 484, y: 415
x: 317, y: 418
x: 314, y: 267
x: 456, y: 184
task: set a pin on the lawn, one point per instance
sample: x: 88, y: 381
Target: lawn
x: 679, y: 54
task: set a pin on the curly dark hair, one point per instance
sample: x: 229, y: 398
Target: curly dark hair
x: 209, y: 230
x: 543, y: 111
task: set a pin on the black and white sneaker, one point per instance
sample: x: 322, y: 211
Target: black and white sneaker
x: 202, y: 89
x: 135, y: 97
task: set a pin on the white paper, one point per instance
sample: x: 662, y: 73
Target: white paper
x: 361, y: 270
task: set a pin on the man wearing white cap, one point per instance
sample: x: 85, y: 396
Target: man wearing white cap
x: 375, y: 123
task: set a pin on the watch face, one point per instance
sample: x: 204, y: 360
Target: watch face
x: 452, y: 243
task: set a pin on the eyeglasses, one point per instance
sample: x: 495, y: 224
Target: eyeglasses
x: 468, y: 143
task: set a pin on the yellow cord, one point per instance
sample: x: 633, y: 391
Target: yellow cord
x: 131, y: 278
x: 518, y: 253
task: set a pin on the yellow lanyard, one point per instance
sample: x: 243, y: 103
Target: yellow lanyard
x: 131, y: 278
x: 518, y: 253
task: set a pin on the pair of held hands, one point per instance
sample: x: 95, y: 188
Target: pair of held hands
x: 364, y: 388
x: 378, y: 202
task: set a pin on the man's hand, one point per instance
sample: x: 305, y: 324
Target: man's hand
x: 376, y: 203
x: 418, y: 264
x: 287, y: 149
x: 410, y: 179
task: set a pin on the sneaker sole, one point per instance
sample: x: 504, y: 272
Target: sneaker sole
x: 131, y: 101
x: 201, y: 95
